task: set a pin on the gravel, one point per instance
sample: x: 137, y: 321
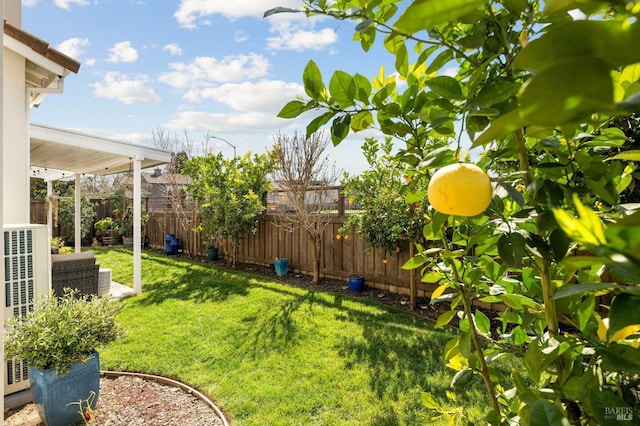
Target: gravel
x: 134, y: 401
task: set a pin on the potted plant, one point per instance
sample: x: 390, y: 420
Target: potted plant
x: 59, y: 340
x: 107, y: 230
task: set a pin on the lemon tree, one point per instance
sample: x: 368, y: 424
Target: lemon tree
x: 230, y: 194
x: 389, y: 212
x: 546, y: 94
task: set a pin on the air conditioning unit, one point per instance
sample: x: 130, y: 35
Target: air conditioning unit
x: 26, y: 275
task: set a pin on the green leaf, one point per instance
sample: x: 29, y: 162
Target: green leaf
x: 603, y: 41
x: 415, y: 262
x: 445, y: 86
x: 363, y: 88
x: 560, y: 243
x: 495, y: 92
x: 515, y: 6
x: 445, y: 318
x: 544, y: 413
x: 511, y: 248
x: 567, y: 91
x: 340, y: 128
x: 319, y: 121
x: 312, y: 78
x: 275, y: 10
x: 618, y: 357
x: 361, y: 121
x: 587, y: 229
x: 570, y: 290
x: 293, y: 109
x: 534, y: 361
x: 632, y: 155
x: 443, y: 58
x: 625, y: 311
x: 584, y: 312
x: 482, y: 322
x: 342, y: 88
x: 429, y: 401
x: 462, y: 378
x: 402, y: 60
x: 510, y: 122
x: 606, y: 406
x: 451, y: 348
x: 426, y: 14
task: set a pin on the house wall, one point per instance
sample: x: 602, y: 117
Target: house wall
x: 15, y: 167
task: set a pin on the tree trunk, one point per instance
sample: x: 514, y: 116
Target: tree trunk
x: 316, y: 241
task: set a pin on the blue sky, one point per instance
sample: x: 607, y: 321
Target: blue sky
x: 194, y: 65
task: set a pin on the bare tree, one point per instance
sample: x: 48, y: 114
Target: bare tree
x: 181, y: 149
x: 305, y: 179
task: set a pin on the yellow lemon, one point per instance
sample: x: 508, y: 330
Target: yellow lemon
x: 460, y: 189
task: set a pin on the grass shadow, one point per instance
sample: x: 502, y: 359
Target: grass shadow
x: 167, y: 278
x: 281, y: 327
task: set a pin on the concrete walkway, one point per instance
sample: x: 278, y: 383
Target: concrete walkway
x: 120, y: 291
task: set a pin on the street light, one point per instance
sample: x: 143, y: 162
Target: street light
x: 228, y: 143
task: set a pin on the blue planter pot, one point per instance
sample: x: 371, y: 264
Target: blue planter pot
x: 54, y: 396
x: 282, y: 266
x: 356, y: 282
x: 212, y: 253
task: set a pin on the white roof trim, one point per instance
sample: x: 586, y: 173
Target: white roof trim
x: 63, y: 153
x: 29, y: 54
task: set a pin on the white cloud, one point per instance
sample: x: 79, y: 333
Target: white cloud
x: 125, y: 89
x: 192, y: 13
x: 249, y: 122
x: 123, y: 52
x: 240, y: 36
x: 73, y: 47
x: 89, y: 62
x: 265, y: 96
x: 62, y: 4
x: 203, y: 71
x: 66, y: 4
x: 299, y: 40
x: 173, y: 48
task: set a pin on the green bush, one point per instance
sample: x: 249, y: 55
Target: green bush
x: 61, y: 331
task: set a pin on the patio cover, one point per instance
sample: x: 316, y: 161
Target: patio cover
x: 62, y: 154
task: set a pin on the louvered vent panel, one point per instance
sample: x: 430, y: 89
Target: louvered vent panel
x: 26, y: 274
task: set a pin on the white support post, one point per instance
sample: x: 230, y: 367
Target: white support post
x: 137, y: 226
x: 50, y: 210
x: 78, y: 216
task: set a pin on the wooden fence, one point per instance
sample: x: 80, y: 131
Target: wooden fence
x: 340, y: 257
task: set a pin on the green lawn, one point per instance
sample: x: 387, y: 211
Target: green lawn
x: 269, y: 354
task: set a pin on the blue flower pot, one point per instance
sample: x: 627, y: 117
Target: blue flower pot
x: 282, y: 267
x: 356, y: 282
x: 54, y: 396
x: 212, y: 253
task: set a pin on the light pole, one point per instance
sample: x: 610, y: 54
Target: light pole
x: 228, y: 143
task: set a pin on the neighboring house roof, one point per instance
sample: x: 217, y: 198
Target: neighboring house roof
x: 46, y: 67
x: 157, y: 178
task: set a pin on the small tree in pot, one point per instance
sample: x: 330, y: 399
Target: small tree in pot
x: 59, y: 340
